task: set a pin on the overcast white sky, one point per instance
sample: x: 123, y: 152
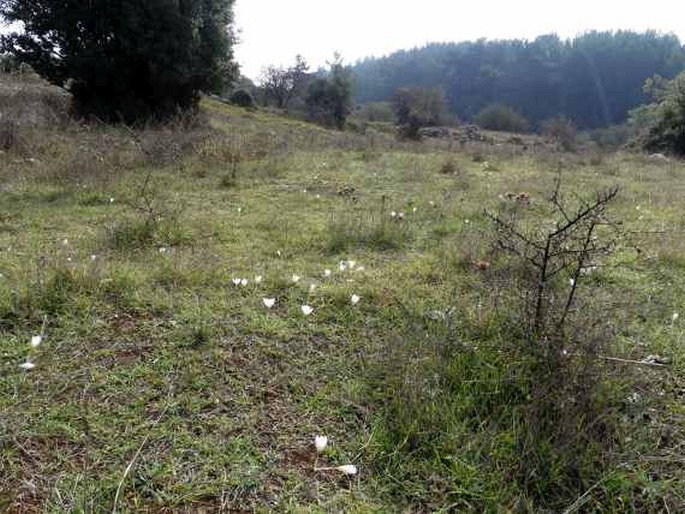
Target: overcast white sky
x: 274, y: 31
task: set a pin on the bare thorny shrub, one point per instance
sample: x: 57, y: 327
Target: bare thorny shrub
x: 559, y: 325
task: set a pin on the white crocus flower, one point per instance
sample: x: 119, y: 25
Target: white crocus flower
x: 243, y: 282
x: 342, y: 265
x: 27, y: 365
x: 351, y: 264
x: 321, y: 442
x: 295, y: 279
x: 393, y: 214
x: 326, y: 273
x: 258, y: 279
x: 307, y: 310
x: 571, y: 282
x: 269, y: 302
x: 312, y: 288
x: 236, y: 281
x: 348, y: 469
x: 36, y: 340
x: 355, y: 299
x: 675, y: 317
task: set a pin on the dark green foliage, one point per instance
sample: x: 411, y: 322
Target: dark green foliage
x: 501, y: 117
x: 662, y: 122
x: 329, y: 98
x: 593, y: 79
x: 416, y: 107
x: 124, y: 59
x: 242, y: 98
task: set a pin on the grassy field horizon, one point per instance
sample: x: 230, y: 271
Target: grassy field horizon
x: 210, y: 296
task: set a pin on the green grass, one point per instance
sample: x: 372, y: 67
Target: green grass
x: 159, y: 377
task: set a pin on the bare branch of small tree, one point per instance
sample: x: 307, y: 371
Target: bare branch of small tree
x: 283, y: 84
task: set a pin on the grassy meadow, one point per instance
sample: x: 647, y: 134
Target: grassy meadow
x: 161, y: 384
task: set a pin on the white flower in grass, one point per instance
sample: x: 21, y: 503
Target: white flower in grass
x: 236, y: 281
x: 243, y: 282
x: 342, y: 265
x: 348, y: 469
x: 321, y: 442
x: 65, y: 241
x: 307, y: 310
x: 351, y: 264
x: 295, y: 279
x: 361, y: 268
x: 162, y: 249
x: 312, y: 288
x: 393, y: 214
x: 240, y: 209
x: 36, y: 340
x: 27, y: 365
x: 414, y: 209
x: 326, y: 273
x: 258, y: 279
x: 571, y: 282
x: 355, y: 299
x: 93, y: 257
x: 269, y: 302
x: 431, y: 203
x: 111, y: 199
x: 675, y: 317
x: 318, y: 197
x: 278, y: 252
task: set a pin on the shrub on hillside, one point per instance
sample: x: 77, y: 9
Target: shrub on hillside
x: 561, y: 130
x: 661, y: 124
x: 242, y: 98
x: 329, y: 98
x: 501, y: 118
x: 416, y: 108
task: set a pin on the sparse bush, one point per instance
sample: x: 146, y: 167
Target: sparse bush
x: 416, y: 108
x: 501, y: 118
x: 504, y: 405
x: 562, y: 131
x: 548, y: 262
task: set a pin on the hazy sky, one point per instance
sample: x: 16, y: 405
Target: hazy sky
x: 274, y: 31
